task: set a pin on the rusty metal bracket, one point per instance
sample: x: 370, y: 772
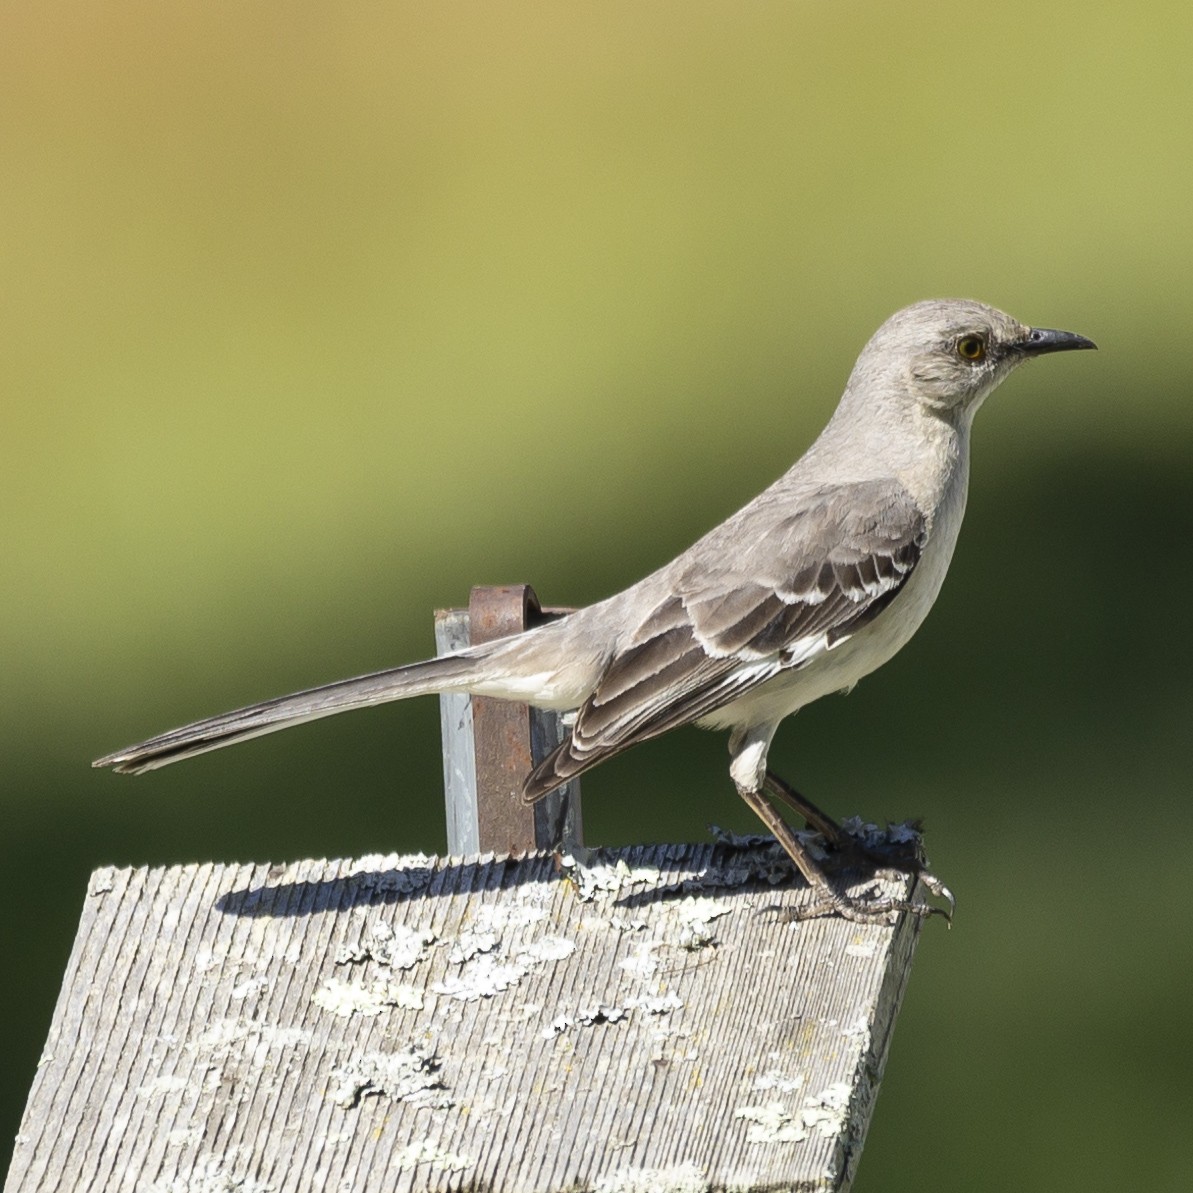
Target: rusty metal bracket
x: 490, y: 746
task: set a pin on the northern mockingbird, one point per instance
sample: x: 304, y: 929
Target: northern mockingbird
x: 812, y: 585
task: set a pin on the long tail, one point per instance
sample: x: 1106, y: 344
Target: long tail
x: 452, y: 672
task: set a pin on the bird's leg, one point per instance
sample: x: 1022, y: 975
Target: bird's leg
x: 759, y: 786
x: 829, y: 901
x: 848, y: 845
x: 835, y: 836
x: 826, y: 897
x: 815, y: 819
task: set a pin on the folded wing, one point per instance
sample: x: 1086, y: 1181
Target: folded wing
x: 741, y: 612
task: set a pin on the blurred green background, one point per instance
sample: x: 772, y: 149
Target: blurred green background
x: 314, y: 315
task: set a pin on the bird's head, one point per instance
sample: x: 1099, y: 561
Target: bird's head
x: 947, y: 355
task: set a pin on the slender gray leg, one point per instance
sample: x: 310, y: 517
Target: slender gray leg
x: 829, y: 901
x: 822, y: 822
x: 848, y: 845
x: 792, y: 845
x: 760, y: 787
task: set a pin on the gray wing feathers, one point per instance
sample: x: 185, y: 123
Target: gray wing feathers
x: 664, y: 682
x: 742, y: 613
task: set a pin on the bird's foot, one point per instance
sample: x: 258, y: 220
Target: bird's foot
x: 870, y: 908
x: 857, y: 847
x: 896, y: 851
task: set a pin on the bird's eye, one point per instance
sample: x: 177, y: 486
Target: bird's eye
x: 971, y: 348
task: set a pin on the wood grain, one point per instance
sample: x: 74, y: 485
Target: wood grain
x: 642, y: 1022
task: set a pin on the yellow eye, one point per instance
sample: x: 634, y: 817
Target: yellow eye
x: 971, y: 348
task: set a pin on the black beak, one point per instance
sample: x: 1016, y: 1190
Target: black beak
x: 1044, y: 339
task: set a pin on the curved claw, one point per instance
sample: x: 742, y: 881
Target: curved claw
x: 938, y: 890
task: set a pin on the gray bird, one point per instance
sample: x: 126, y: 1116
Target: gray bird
x: 812, y: 585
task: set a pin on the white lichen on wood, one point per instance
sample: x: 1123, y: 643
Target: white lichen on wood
x: 638, y: 1022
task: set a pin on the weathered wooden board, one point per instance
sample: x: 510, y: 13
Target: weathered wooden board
x: 644, y: 1022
